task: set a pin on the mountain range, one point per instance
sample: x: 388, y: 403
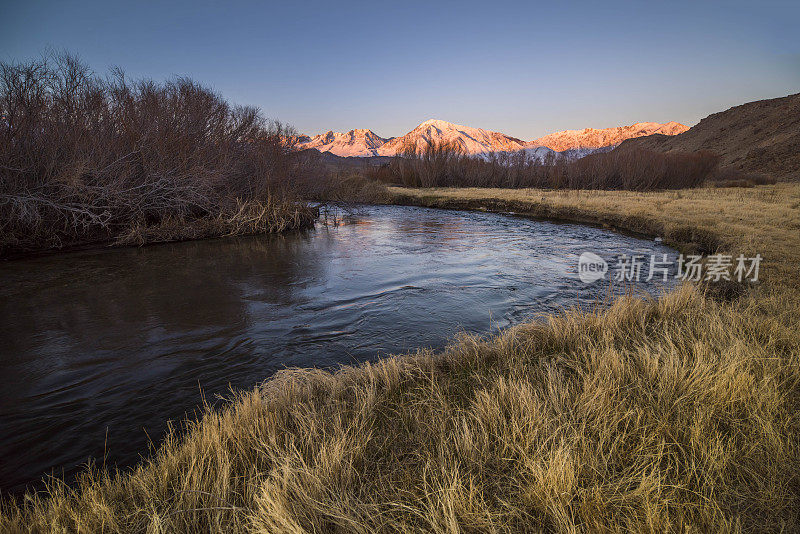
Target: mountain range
x: 476, y: 141
x: 358, y: 143
x: 591, y: 138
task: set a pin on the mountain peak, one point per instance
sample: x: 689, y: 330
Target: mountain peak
x: 438, y: 123
x: 470, y: 140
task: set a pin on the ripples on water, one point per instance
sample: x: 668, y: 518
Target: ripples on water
x: 100, y: 348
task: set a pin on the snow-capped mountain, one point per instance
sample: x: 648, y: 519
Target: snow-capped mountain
x: 471, y: 140
x: 353, y: 143
x: 591, y: 138
x: 476, y: 141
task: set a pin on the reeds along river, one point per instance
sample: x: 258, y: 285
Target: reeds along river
x: 99, y: 349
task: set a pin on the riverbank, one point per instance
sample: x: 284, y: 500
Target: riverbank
x: 240, y: 219
x: 660, y: 415
x: 763, y: 219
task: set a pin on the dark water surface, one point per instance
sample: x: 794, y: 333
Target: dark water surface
x: 99, y: 349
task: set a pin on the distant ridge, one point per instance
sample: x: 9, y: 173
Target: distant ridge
x: 598, y: 138
x: 475, y: 141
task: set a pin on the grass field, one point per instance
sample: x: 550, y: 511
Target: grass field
x: 680, y: 414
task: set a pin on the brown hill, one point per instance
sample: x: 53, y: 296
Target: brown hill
x: 762, y: 136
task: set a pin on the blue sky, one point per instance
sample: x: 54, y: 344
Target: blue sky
x: 523, y: 68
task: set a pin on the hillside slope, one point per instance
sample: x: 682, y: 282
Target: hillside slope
x: 761, y: 136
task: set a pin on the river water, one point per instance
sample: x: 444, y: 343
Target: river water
x: 98, y: 349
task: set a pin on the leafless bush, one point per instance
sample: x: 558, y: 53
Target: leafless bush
x: 333, y: 182
x: 445, y: 165
x: 343, y: 187
x: 430, y: 164
x: 641, y: 170
x: 730, y: 177
x: 84, y: 158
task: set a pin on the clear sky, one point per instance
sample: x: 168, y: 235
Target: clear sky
x: 523, y: 68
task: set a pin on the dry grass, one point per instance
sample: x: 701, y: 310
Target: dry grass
x: 271, y: 215
x: 679, y: 414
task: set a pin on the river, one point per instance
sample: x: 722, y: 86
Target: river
x: 98, y: 349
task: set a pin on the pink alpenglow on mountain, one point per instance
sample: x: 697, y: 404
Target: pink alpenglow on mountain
x: 599, y: 138
x: 477, y: 141
x: 353, y: 143
x: 471, y: 140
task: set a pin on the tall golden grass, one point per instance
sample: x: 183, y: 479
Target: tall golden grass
x: 678, y: 414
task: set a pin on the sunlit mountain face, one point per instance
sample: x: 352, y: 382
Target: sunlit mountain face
x: 475, y: 141
x: 599, y: 138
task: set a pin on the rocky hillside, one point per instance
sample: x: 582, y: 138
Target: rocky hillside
x: 761, y: 136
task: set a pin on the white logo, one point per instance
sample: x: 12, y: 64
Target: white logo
x: 591, y: 267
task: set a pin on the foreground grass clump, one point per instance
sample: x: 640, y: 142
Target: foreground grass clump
x: 677, y: 414
x: 650, y: 416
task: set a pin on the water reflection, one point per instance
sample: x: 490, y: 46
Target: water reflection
x: 102, y: 347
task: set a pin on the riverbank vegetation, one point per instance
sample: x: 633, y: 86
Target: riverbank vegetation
x: 677, y: 414
x: 335, y: 184
x: 91, y: 160
x: 446, y: 165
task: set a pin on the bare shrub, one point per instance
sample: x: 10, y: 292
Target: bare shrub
x: 730, y: 177
x: 85, y: 159
x: 344, y: 187
x: 641, y: 170
x: 445, y: 165
x: 432, y: 163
